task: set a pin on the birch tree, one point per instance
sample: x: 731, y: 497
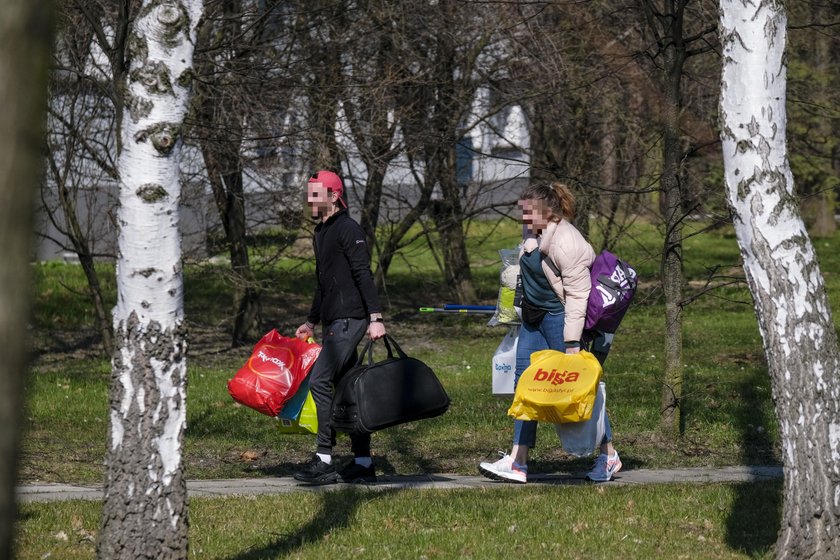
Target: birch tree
x: 24, y: 28
x: 145, y: 507
x: 793, y: 312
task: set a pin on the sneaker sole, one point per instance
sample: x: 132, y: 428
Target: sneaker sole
x: 360, y: 480
x: 615, y: 472
x: 321, y: 480
x: 496, y: 476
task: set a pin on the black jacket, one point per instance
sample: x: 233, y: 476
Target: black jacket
x: 342, y: 267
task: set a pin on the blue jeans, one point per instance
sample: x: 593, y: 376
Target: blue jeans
x: 547, y: 336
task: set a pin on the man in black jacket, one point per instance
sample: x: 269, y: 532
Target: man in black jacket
x: 347, y: 304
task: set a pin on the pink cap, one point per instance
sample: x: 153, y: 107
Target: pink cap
x: 331, y: 181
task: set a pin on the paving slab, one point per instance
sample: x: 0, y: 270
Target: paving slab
x: 285, y: 485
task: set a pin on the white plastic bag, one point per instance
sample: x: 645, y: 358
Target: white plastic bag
x: 504, y: 363
x: 506, y: 312
x: 581, y: 438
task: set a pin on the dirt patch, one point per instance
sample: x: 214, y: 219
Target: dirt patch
x: 209, y: 343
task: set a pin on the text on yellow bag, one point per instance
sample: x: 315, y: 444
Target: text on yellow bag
x: 557, y: 387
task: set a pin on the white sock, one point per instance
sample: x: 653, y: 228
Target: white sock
x: 364, y: 461
x: 325, y: 458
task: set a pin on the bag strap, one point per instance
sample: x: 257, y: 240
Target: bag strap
x: 368, y: 349
x: 399, y: 350
x: 625, y: 268
x: 610, y: 283
x: 554, y: 268
x: 603, y: 278
x: 365, y: 350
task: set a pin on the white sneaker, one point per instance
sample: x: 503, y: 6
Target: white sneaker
x: 605, y: 467
x: 504, y: 470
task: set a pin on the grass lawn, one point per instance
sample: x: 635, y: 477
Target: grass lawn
x: 728, y: 418
x: 670, y: 522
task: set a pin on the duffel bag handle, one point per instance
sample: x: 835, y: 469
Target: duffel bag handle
x: 388, y: 340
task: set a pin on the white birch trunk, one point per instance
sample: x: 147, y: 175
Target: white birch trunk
x: 145, y: 509
x: 783, y: 274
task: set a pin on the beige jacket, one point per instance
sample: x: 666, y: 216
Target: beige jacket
x: 573, y: 255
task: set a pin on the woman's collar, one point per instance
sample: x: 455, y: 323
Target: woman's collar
x: 547, y: 235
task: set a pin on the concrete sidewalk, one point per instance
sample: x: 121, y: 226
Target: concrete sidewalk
x: 285, y: 485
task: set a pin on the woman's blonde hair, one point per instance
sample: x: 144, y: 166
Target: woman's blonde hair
x: 557, y: 197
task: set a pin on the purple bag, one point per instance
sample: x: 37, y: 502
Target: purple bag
x: 613, y: 287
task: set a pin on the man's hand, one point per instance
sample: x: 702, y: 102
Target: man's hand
x: 305, y: 332
x: 376, y: 330
x: 572, y: 349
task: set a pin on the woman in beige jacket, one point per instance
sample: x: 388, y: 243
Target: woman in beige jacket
x: 554, y: 266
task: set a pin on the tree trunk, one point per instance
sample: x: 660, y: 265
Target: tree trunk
x: 82, y: 248
x: 783, y: 274
x: 101, y: 315
x: 369, y: 112
x: 144, y: 513
x: 224, y: 170
x: 672, y: 267
x: 392, y: 242
x: 25, y: 27
x: 672, y: 208
x: 818, y: 210
x: 372, y: 201
x: 547, y: 146
x: 824, y: 204
x: 79, y: 145
x: 220, y: 121
x: 323, y: 95
x: 447, y: 210
x: 448, y: 215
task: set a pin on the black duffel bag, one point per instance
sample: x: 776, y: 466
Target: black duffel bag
x: 373, y: 396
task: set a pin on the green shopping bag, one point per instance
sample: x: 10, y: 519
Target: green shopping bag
x: 306, y: 423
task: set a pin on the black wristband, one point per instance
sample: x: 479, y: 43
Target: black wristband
x: 378, y: 320
x: 573, y: 343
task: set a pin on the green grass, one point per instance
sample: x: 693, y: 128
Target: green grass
x: 61, y: 295
x: 66, y: 421
x: 670, y: 522
x: 727, y: 412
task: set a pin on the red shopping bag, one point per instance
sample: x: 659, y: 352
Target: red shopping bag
x: 273, y: 373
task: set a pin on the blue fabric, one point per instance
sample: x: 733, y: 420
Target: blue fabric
x: 292, y: 407
x: 547, y: 336
x: 535, y: 285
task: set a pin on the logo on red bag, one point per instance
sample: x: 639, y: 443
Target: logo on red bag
x: 271, y: 361
x: 555, y: 377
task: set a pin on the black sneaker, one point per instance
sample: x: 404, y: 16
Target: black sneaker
x: 355, y: 473
x: 316, y: 472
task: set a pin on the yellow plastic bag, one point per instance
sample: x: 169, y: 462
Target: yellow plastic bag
x: 557, y: 387
x: 307, y: 422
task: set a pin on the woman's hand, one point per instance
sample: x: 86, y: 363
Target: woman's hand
x: 572, y: 349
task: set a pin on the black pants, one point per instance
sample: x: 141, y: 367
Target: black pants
x: 598, y: 343
x: 338, y: 354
